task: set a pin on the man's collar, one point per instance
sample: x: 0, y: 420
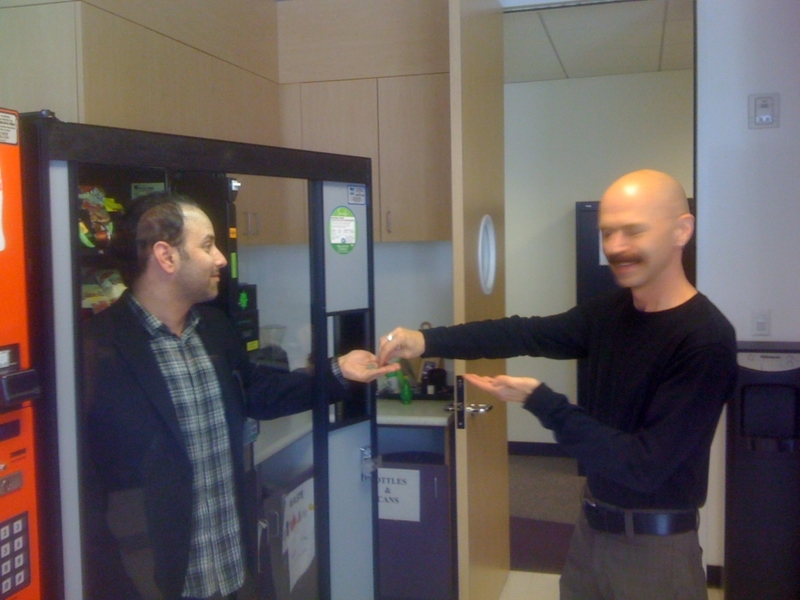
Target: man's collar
x: 155, y: 326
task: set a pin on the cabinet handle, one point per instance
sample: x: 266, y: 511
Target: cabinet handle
x: 436, y: 488
x: 388, y: 221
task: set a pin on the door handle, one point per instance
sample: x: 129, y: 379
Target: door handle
x: 478, y: 409
x: 473, y: 409
x: 266, y: 524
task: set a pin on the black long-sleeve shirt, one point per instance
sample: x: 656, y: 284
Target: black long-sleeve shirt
x: 657, y: 385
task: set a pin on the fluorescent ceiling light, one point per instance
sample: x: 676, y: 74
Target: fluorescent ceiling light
x: 524, y: 5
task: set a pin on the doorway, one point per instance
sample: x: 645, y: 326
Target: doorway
x: 591, y: 92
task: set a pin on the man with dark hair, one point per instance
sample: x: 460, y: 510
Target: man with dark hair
x: 167, y: 388
x: 662, y: 360
x: 136, y: 236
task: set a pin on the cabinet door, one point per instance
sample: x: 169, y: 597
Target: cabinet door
x: 271, y: 210
x: 416, y: 557
x: 342, y: 117
x: 274, y: 210
x: 414, y: 134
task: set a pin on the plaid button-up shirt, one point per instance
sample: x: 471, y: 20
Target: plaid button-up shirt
x: 216, y: 563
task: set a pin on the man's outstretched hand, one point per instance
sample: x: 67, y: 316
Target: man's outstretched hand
x: 504, y: 387
x: 362, y: 365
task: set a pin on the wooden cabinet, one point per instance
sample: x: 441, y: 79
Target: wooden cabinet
x: 271, y: 210
x: 144, y: 68
x: 342, y: 117
x: 414, y: 141
x: 402, y: 124
x: 381, y: 90
x: 340, y: 40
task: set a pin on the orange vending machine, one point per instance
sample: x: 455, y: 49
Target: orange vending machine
x: 19, y: 387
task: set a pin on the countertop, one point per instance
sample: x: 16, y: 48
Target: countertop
x: 420, y: 413
x: 277, y: 434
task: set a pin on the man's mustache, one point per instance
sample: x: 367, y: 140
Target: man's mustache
x: 623, y: 258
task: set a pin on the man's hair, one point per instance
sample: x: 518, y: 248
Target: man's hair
x: 156, y: 217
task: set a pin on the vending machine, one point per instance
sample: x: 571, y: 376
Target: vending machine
x: 19, y: 387
x: 77, y: 180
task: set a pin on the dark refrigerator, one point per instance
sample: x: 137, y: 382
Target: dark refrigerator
x: 77, y: 181
x: 762, y: 474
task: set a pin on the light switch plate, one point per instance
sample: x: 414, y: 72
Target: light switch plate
x: 763, y: 111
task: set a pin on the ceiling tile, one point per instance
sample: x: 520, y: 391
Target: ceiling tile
x: 619, y: 15
x: 679, y: 33
x: 677, y: 58
x: 605, y: 37
x: 602, y: 39
x: 529, y: 55
x: 680, y: 10
x: 678, y: 50
x: 611, y: 61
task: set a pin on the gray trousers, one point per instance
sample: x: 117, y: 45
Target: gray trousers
x: 605, y: 566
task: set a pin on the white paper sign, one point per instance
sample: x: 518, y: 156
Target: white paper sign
x: 9, y: 128
x: 298, y: 529
x: 398, y: 494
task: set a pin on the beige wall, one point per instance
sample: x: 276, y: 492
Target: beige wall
x: 329, y: 40
x: 243, y: 33
x: 566, y: 141
x: 137, y: 78
x: 40, y: 52
x: 747, y: 184
x: 195, y: 68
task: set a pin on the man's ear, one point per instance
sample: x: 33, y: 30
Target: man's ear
x: 165, y: 256
x: 684, y: 229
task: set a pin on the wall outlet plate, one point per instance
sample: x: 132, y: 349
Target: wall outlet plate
x: 760, y: 323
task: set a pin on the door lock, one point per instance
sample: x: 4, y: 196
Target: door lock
x: 460, y: 408
x: 368, y: 464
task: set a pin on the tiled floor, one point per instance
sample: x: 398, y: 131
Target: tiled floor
x: 543, y: 586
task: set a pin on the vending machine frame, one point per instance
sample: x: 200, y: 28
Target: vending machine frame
x: 52, y: 150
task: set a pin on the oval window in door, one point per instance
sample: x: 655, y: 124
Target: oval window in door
x: 487, y: 254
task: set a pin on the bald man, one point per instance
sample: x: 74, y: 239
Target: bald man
x: 662, y: 363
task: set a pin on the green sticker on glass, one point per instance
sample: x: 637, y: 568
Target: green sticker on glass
x: 343, y: 230
x: 244, y: 300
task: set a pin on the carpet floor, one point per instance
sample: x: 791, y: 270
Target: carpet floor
x: 539, y: 546
x: 545, y: 501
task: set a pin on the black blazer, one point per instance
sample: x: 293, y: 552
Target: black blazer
x: 134, y: 449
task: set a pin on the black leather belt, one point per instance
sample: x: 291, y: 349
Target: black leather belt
x: 610, y: 519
